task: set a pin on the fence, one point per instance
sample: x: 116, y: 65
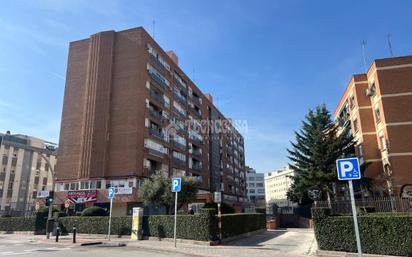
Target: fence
x: 381, y: 204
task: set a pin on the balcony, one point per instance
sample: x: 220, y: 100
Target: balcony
x: 197, y: 100
x: 158, y: 63
x: 197, y: 167
x: 196, y: 112
x: 156, y: 153
x: 180, y: 145
x: 178, y: 113
x: 178, y: 162
x: 157, y: 133
x: 158, y: 116
x: 159, y: 98
x: 180, y: 98
x: 196, y: 140
x: 160, y: 81
x: 196, y: 153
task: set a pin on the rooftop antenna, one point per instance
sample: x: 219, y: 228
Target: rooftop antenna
x: 154, y: 26
x: 364, y: 54
x: 193, y: 74
x: 389, y: 36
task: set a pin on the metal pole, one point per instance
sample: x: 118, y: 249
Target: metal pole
x: 110, y: 217
x: 355, y: 218
x: 175, y: 218
x: 219, y: 216
x: 52, y: 189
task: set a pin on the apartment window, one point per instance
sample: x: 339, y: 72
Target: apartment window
x: 44, y: 181
x: 352, y: 102
x: 34, y: 195
x: 98, y: 184
x: 251, y: 184
x: 84, y: 185
x: 66, y: 186
x: 261, y: 191
x: 179, y: 108
x: 259, y: 185
x: 131, y: 183
x: 378, y: 114
x: 252, y: 191
x: 5, y: 160
x: 179, y: 139
x: 356, y: 125
x: 155, y: 146
x: 156, y: 75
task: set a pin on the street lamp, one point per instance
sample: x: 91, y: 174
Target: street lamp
x: 51, y: 169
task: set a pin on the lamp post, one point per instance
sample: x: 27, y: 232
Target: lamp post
x: 50, y: 204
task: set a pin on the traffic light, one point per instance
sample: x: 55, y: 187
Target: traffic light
x: 49, y: 200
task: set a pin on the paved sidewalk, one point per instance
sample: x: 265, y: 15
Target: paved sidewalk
x: 288, y: 243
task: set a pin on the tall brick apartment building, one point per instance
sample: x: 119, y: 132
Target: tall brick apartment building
x: 378, y: 108
x: 130, y: 112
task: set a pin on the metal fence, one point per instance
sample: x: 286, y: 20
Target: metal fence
x: 381, y: 204
x: 17, y: 209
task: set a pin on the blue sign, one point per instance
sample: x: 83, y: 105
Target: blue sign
x: 111, y: 192
x: 176, y: 184
x: 348, y: 169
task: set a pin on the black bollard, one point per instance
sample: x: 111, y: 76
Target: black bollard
x: 57, y: 234
x: 74, y: 234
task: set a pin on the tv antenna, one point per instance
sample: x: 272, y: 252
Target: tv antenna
x: 389, y: 36
x: 154, y: 26
x: 363, y: 43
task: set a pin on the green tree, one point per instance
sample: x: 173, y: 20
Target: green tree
x: 156, y: 191
x: 313, y: 155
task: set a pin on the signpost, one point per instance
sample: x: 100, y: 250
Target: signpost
x: 111, y: 196
x: 218, y: 200
x: 349, y: 169
x: 176, y: 187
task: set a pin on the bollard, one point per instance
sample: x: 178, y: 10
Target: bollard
x: 74, y: 234
x: 57, y: 234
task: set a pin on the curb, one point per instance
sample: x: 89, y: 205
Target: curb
x: 325, y: 253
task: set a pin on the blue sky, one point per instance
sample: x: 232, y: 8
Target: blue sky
x: 266, y: 62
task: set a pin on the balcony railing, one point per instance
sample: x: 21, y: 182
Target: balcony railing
x: 178, y: 113
x: 178, y: 162
x: 197, y: 167
x: 197, y: 100
x: 197, y: 153
x: 197, y: 112
x: 158, y: 79
x: 158, y: 63
x: 158, y: 98
x: 155, y: 152
x: 180, y: 98
x: 156, y: 133
x: 178, y: 144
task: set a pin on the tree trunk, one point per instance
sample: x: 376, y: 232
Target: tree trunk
x: 329, y: 199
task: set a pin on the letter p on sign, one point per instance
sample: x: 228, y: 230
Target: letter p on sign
x: 176, y: 184
x: 348, y: 169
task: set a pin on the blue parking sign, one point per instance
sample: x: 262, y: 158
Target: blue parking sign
x: 111, y: 192
x: 348, y: 169
x: 176, y: 184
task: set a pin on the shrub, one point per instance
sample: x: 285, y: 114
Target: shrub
x: 94, y: 211
x: 10, y: 224
x: 260, y: 210
x: 96, y: 225
x: 200, y: 226
x: 384, y: 234
x: 224, y: 207
x: 240, y: 223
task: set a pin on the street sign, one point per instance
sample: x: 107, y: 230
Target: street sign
x: 111, y: 192
x: 218, y: 197
x: 348, y: 169
x: 43, y: 194
x: 176, y: 184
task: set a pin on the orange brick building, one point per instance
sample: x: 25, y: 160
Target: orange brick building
x: 378, y: 108
x: 130, y: 112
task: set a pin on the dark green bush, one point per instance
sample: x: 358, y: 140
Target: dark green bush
x: 200, y: 226
x: 94, y: 211
x: 260, y: 210
x: 96, y: 225
x: 380, y: 234
x: 320, y: 213
x: 240, y: 223
x: 10, y: 224
x: 225, y: 208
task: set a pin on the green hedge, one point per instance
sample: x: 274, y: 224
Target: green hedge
x: 200, y: 227
x: 10, y: 224
x: 240, y: 223
x: 96, y: 225
x: 380, y: 234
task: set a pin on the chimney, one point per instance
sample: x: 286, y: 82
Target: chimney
x: 209, y: 97
x: 173, y: 56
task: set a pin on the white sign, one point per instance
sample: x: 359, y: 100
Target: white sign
x: 218, y: 197
x: 43, y: 194
x: 123, y: 190
x: 348, y: 169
